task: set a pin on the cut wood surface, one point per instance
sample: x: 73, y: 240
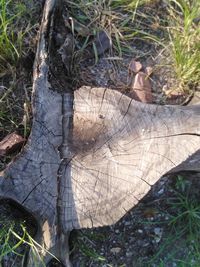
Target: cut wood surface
x: 93, y: 154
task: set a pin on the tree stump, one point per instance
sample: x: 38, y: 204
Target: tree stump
x: 93, y: 153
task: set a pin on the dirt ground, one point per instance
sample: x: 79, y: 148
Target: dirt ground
x: 142, y: 237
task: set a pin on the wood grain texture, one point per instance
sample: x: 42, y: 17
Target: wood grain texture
x: 120, y: 149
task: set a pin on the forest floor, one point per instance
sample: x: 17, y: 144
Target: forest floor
x: 138, y: 48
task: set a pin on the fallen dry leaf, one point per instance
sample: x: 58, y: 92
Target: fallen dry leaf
x: 141, y: 88
x: 134, y: 66
x: 102, y: 42
x: 11, y: 143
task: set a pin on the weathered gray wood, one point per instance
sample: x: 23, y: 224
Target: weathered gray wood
x: 35, y: 171
x: 121, y: 148
x: 94, y: 154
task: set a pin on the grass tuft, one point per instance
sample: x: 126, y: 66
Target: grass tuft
x: 10, y: 39
x: 181, y: 244
x: 184, y: 33
x: 86, y: 243
x: 16, y: 242
x: 17, y: 31
x: 121, y: 20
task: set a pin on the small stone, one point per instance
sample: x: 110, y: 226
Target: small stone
x: 129, y: 254
x: 161, y: 191
x: 115, y: 250
x: 117, y: 231
x: 140, y: 231
x: 158, y: 232
x: 127, y: 223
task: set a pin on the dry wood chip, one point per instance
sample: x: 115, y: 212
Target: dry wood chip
x: 149, y: 70
x: 141, y: 88
x: 134, y: 66
x: 11, y: 143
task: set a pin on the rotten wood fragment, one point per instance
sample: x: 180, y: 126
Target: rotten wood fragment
x: 92, y: 154
x: 134, y: 66
x: 11, y: 143
x: 141, y: 88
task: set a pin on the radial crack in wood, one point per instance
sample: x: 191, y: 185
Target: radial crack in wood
x: 92, y: 154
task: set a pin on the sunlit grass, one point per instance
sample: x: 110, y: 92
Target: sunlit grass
x: 184, y: 35
x: 17, y: 244
x: 15, y: 241
x: 11, y: 37
x: 18, y: 22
